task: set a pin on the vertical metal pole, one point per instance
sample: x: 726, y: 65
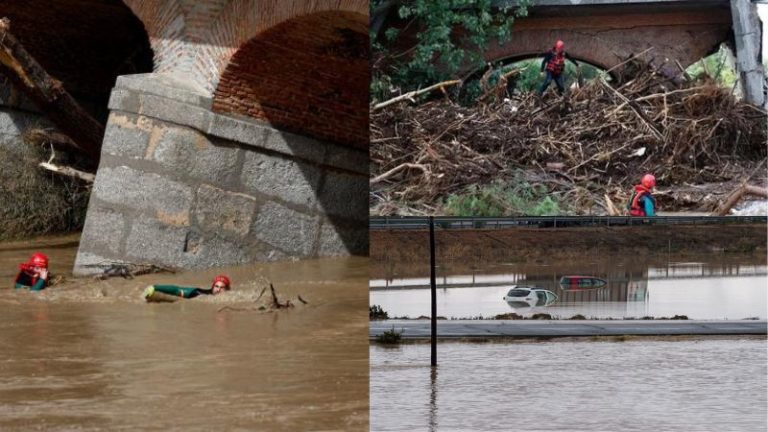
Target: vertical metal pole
x: 433, y: 286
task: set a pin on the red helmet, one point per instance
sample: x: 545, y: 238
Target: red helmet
x: 221, y: 278
x: 559, y: 45
x: 649, y: 181
x: 39, y: 260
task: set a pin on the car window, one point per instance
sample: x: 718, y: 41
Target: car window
x: 518, y: 292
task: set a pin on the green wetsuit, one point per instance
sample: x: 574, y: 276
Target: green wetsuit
x: 178, y: 291
x: 24, y: 280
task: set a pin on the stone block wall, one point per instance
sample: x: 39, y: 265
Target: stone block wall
x: 17, y: 114
x: 179, y: 185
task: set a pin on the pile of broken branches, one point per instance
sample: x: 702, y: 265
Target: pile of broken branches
x: 598, y: 140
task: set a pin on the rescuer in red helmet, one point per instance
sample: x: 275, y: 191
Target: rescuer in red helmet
x: 554, y: 65
x: 33, y: 274
x: 220, y: 284
x: 642, y: 202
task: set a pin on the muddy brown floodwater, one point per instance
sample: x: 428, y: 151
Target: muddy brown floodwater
x: 92, y: 355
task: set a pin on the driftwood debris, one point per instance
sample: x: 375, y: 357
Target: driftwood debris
x: 273, y: 305
x: 276, y: 303
x: 68, y: 171
x: 609, y: 135
x: 737, y: 195
x: 611, y: 207
x: 127, y: 270
x: 493, y: 92
x: 49, y: 94
x: 413, y: 94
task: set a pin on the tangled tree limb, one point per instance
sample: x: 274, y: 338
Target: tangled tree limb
x: 737, y: 195
x: 65, y: 170
x: 413, y: 94
x: 49, y: 94
x: 127, y: 270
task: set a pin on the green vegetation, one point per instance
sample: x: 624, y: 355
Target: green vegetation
x: 438, y: 53
x: 503, y: 199
x: 715, y: 67
x: 508, y: 316
x: 34, y: 201
x: 375, y: 312
x: 390, y: 337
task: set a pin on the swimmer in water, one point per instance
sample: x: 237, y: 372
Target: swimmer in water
x: 220, y: 284
x: 33, y: 274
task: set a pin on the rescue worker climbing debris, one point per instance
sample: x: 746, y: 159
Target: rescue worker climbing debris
x: 642, y: 202
x: 220, y: 284
x: 554, y: 65
x: 33, y: 274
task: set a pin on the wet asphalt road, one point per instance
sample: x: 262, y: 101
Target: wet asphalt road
x: 420, y: 329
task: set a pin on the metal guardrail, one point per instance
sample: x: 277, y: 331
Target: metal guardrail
x: 445, y: 222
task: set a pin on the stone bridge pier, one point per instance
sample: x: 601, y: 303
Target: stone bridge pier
x: 181, y: 185
x: 247, y: 142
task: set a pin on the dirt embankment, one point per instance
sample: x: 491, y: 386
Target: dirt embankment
x: 477, y: 248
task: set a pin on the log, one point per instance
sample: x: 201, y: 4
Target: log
x: 68, y: 171
x: 41, y: 137
x: 737, y: 195
x: 612, y: 210
x: 394, y: 171
x: 49, y: 94
x: 635, y: 109
x: 412, y: 94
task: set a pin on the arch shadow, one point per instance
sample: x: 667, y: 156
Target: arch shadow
x: 309, y: 75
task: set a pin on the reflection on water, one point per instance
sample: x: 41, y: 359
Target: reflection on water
x: 698, y: 290
x: 90, y: 355
x: 643, y: 385
x: 433, y: 399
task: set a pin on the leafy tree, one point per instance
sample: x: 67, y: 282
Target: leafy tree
x: 451, y: 34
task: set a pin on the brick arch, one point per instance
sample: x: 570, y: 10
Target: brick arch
x: 607, y: 48
x: 477, y: 73
x: 196, y: 39
x: 239, y: 21
x: 308, y: 74
x: 165, y: 23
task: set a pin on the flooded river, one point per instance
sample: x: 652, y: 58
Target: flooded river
x: 638, y: 385
x: 92, y: 355
x: 707, y: 289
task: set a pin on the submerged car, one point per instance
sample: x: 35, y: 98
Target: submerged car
x: 581, y: 282
x: 530, y: 296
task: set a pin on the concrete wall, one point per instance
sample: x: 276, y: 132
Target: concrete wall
x: 747, y: 31
x: 180, y: 185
